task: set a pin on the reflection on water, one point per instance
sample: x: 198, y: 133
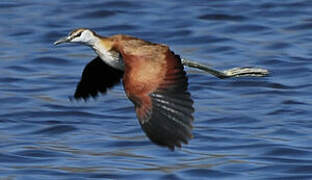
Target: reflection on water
x: 246, y: 128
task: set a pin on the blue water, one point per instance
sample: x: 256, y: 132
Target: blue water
x: 244, y: 128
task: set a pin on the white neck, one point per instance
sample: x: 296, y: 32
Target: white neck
x: 112, y: 58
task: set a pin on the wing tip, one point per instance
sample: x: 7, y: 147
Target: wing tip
x: 178, y: 144
x: 169, y: 119
x: 170, y: 139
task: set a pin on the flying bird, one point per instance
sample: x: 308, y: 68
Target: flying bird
x: 153, y: 77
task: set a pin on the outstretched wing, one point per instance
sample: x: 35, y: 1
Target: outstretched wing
x: 168, y: 120
x: 163, y: 105
x: 97, y: 77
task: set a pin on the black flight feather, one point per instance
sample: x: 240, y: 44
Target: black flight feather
x: 97, y: 77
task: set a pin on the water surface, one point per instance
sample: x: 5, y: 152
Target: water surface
x: 244, y: 128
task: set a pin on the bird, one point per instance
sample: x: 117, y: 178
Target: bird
x: 153, y: 78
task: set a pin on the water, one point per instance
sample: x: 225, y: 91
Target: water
x: 244, y: 128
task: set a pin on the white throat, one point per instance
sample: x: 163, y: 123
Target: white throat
x: 112, y: 58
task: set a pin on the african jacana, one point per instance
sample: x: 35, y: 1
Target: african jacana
x: 153, y: 78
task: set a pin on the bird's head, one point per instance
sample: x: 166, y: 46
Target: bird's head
x: 101, y: 45
x: 81, y: 35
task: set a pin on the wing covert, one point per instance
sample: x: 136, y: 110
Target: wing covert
x: 166, y: 113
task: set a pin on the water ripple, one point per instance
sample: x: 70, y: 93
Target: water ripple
x: 222, y: 17
x: 244, y: 128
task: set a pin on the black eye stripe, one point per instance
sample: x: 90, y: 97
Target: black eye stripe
x: 77, y: 35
